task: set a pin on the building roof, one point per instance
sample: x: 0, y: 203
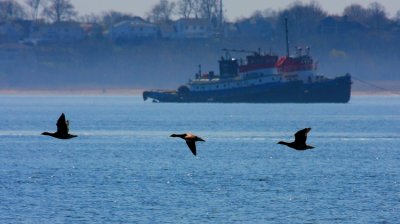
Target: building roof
x: 194, y: 21
x: 134, y: 22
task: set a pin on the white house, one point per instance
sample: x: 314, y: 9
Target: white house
x: 63, y: 32
x: 14, y: 31
x: 167, y: 31
x: 132, y: 30
x: 191, y: 28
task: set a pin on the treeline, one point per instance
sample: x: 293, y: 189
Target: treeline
x: 64, y: 10
x: 307, y: 16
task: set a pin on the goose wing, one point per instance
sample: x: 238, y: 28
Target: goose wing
x: 62, y: 124
x: 301, y: 136
x: 192, y: 146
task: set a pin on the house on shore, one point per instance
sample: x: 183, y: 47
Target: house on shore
x: 14, y: 31
x: 131, y: 30
x: 340, y: 25
x: 168, y: 31
x: 254, y: 27
x: 191, y: 28
x: 62, y: 32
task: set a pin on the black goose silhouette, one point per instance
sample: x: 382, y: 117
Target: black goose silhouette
x: 300, y: 139
x: 62, y: 129
x: 190, y: 139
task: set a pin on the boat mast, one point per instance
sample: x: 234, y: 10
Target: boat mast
x: 199, y: 70
x: 287, y: 37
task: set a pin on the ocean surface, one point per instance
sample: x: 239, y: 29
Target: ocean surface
x: 124, y: 167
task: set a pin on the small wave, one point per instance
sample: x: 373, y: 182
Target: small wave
x: 19, y: 133
x: 251, y: 139
x: 360, y: 137
x: 237, y: 136
x: 13, y: 133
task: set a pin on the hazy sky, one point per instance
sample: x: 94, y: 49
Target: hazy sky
x: 233, y: 8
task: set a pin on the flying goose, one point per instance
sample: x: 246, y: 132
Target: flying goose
x: 190, y: 140
x: 300, y: 139
x: 62, y: 129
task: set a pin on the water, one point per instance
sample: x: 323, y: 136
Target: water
x: 124, y: 167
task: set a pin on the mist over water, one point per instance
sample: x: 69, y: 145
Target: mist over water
x: 124, y: 167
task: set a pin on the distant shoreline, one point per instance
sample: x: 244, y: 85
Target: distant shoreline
x: 89, y: 91
x: 374, y: 93
x: 138, y: 92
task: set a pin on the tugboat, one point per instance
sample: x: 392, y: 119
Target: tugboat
x: 261, y: 78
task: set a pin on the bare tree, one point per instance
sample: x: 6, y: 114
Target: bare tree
x: 108, y: 19
x: 270, y: 13
x: 90, y: 18
x: 205, y: 9
x: 356, y: 12
x: 208, y: 9
x: 186, y: 8
x: 303, y: 18
x: 59, y: 10
x: 377, y: 15
x: 10, y: 9
x: 162, y: 12
x: 397, y: 17
x: 33, y: 8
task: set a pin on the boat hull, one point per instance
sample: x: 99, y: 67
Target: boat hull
x: 336, y: 90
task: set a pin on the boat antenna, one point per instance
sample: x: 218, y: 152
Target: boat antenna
x: 199, y: 70
x: 287, y: 37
